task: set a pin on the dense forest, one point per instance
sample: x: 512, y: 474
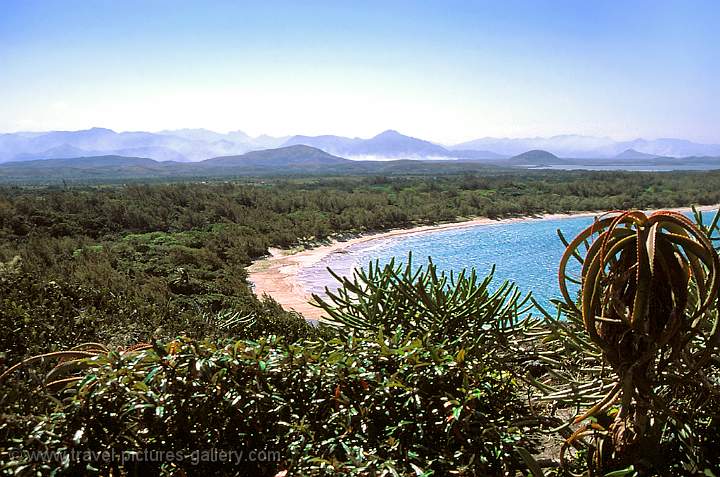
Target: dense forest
x: 164, y: 265
x: 152, y: 253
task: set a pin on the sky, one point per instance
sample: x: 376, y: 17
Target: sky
x: 447, y: 71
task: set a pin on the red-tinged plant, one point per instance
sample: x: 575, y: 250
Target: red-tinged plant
x: 648, y: 298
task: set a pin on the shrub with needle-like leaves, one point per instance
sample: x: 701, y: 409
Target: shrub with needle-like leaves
x: 450, y: 307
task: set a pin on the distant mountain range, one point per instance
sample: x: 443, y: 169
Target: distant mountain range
x: 182, y: 145
x: 588, y: 147
x: 191, y: 145
x: 386, y: 146
x: 303, y: 160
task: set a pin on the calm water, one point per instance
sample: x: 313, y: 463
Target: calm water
x: 636, y: 168
x: 526, y: 253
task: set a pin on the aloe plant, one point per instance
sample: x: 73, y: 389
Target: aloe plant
x: 648, y: 298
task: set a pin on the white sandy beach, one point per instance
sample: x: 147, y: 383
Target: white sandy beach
x: 277, y: 275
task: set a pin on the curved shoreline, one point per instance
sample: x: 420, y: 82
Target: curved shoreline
x: 277, y: 275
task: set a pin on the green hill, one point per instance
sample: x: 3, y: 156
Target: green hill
x: 535, y: 157
x: 289, y: 156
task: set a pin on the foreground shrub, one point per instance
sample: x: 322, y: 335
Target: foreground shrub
x: 639, y: 348
x: 354, y: 406
x: 38, y: 317
x: 418, y: 390
x: 459, y: 310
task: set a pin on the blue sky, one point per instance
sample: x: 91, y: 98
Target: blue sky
x: 443, y: 70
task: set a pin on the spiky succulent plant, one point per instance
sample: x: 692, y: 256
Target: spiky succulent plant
x: 648, y: 298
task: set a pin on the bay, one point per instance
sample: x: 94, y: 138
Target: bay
x: 525, y: 252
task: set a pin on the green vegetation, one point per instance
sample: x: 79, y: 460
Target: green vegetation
x: 152, y: 340
x: 350, y: 404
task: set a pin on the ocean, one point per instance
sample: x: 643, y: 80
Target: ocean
x: 525, y: 252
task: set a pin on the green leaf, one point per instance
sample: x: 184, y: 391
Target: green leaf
x: 622, y: 472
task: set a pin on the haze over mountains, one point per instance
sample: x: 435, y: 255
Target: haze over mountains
x: 190, y: 145
x: 182, y: 145
x: 386, y: 145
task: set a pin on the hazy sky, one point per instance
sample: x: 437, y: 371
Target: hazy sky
x: 443, y: 70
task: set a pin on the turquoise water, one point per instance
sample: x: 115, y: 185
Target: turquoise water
x: 525, y: 252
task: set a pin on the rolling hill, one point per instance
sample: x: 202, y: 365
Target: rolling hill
x: 285, y: 160
x: 535, y: 157
x: 287, y: 156
x: 289, y: 160
x: 633, y: 154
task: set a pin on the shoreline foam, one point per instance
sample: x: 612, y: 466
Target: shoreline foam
x: 277, y: 275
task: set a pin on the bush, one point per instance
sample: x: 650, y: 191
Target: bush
x: 393, y: 398
x: 353, y: 406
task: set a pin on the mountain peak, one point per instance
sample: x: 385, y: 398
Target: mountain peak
x: 536, y: 156
x: 635, y: 154
x: 389, y: 133
x: 239, y: 134
x: 285, y: 156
